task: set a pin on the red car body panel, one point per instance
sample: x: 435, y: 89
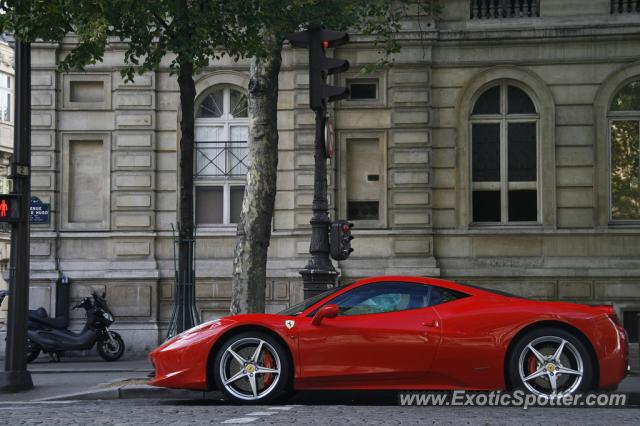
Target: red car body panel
x: 460, y: 344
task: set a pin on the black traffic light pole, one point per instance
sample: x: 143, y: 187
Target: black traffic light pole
x: 319, y: 273
x: 15, y: 376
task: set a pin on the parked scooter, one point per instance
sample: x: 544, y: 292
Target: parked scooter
x: 96, y: 331
x: 40, y: 317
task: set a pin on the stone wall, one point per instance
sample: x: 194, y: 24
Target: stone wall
x: 576, y: 253
x: 570, y: 60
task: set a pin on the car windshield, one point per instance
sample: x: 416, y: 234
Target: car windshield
x: 302, y: 306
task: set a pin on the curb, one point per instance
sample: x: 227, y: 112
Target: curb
x: 146, y: 391
x: 97, y: 394
x: 104, y: 370
x: 135, y: 392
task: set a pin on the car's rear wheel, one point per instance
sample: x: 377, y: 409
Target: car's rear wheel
x: 252, y: 367
x: 551, y: 362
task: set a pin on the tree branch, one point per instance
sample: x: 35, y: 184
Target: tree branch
x: 162, y: 23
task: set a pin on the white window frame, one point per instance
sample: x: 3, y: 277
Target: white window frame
x: 504, y: 186
x: 618, y: 116
x: 6, y: 96
x: 226, y: 122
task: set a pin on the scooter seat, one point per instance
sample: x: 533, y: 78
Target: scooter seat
x: 38, y: 313
x: 40, y: 316
x: 57, y: 322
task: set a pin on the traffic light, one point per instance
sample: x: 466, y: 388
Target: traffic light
x: 317, y: 40
x: 9, y: 208
x: 340, y: 239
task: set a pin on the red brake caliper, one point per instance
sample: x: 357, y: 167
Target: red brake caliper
x: 267, y: 362
x: 532, y: 364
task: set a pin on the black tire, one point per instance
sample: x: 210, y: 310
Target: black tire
x: 272, y: 391
x: 109, y: 351
x: 546, y: 341
x: 33, y: 351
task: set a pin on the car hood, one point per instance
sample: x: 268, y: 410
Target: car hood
x: 214, y: 327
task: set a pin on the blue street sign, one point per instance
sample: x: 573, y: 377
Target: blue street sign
x: 38, y: 211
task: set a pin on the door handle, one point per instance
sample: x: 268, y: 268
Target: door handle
x: 431, y: 323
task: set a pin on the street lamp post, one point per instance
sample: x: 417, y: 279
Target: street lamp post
x: 15, y: 376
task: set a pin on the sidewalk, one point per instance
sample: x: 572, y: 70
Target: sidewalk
x: 77, y: 375
x: 44, y: 365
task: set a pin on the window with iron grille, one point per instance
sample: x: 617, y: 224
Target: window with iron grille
x: 221, y: 155
x: 504, y: 157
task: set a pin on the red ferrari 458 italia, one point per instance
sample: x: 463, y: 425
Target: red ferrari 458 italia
x: 404, y: 333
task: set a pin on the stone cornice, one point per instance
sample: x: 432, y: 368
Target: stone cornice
x: 479, y: 34
x: 472, y: 31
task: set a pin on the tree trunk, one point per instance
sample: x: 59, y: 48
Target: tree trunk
x: 254, y: 229
x: 186, y: 293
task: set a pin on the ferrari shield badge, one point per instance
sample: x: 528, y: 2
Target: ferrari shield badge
x: 289, y: 324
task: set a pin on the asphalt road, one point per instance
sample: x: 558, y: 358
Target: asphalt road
x: 142, y: 412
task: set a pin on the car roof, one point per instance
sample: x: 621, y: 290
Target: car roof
x: 451, y: 285
x: 439, y: 282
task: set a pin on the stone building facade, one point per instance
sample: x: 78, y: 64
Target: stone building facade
x: 499, y: 150
x: 6, y: 150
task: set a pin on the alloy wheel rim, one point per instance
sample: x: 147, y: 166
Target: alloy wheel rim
x: 250, y: 368
x: 111, y: 348
x: 551, y: 366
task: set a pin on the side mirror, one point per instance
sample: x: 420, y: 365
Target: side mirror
x: 327, y: 311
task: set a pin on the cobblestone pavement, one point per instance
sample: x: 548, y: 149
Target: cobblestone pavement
x: 143, y: 412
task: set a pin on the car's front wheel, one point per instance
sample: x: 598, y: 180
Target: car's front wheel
x: 551, y: 362
x: 252, y: 367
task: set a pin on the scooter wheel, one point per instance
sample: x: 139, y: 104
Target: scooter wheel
x: 32, y: 351
x: 111, y: 351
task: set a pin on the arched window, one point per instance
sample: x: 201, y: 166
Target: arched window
x: 221, y: 155
x: 504, y: 156
x: 624, y: 131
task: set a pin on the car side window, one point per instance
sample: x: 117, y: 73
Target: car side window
x: 442, y: 295
x: 382, y: 297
